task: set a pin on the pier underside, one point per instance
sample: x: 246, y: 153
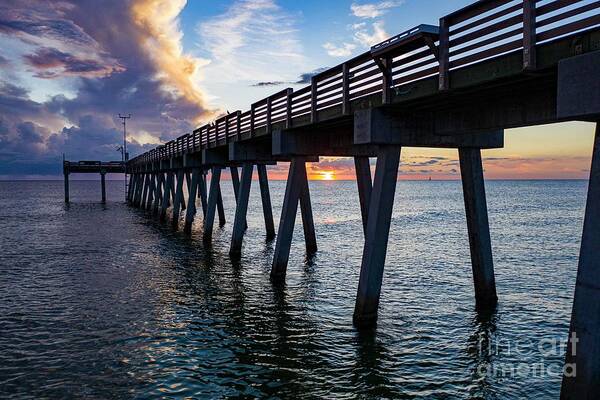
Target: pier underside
x: 464, y: 105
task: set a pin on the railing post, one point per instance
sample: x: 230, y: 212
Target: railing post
x: 238, y: 131
x: 288, y: 109
x: 387, y: 80
x: 252, y: 120
x: 345, y: 89
x: 313, y: 100
x: 444, y: 83
x: 529, y: 61
x: 269, y: 101
x: 227, y: 129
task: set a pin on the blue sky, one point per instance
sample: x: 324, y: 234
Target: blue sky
x: 346, y: 26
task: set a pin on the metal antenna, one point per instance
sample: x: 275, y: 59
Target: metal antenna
x: 125, y: 155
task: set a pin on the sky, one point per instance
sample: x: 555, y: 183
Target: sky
x: 68, y: 68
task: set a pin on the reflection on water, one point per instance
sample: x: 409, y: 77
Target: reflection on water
x: 102, y: 301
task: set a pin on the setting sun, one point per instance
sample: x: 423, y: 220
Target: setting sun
x: 327, y: 176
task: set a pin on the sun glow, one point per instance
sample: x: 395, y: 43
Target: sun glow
x: 328, y: 175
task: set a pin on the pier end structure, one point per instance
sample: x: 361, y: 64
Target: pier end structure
x: 91, y: 167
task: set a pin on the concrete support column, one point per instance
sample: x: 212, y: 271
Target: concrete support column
x: 212, y: 203
x: 192, y: 193
x: 66, y: 187
x: 103, y: 185
x: 130, y: 187
x: 365, y: 185
x: 220, y: 207
x: 235, y: 181
x: 151, y: 191
x: 139, y: 189
x: 166, y: 196
x: 159, y: 193
x: 376, y: 238
x: 241, y: 209
x: 310, y: 238
x: 177, y: 202
x: 202, y: 193
x: 134, y: 184
x: 294, y: 187
x: 471, y: 170
x: 145, y: 192
x: 263, y: 181
x: 583, y: 350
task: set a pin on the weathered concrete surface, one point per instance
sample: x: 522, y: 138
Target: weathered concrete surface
x: 263, y: 181
x: 241, y: 209
x: 365, y: 186
x: 294, y: 186
x: 376, y: 240
x: 213, y: 195
x: 579, y: 87
x: 584, y: 351
x: 482, y: 263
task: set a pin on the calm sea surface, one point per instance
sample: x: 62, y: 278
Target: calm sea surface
x: 101, y: 301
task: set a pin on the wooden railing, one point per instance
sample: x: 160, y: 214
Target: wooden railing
x: 480, y: 31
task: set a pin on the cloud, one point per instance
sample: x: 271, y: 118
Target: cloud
x: 364, y: 35
x: 344, y: 50
x: 52, y: 63
x: 306, y: 77
x: 159, y: 33
x: 272, y: 83
x: 254, y: 40
x: 112, y: 59
x: 373, y: 10
x: 368, y: 38
x: 303, y: 79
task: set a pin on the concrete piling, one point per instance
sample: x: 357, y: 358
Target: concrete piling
x: 582, y: 366
x: 220, y: 208
x: 178, y: 200
x: 241, y: 209
x: 293, y: 189
x: 192, y: 193
x: 376, y: 239
x: 103, y: 185
x: 66, y: 175
x: 213, y: 196
x: 202, y: 193
x: 365, y: 185
x: 263, y: 181
x: 310, y: 238
x: 471, y: 170
x: 166, y: 196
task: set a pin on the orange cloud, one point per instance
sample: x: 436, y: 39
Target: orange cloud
x: 160, y: 34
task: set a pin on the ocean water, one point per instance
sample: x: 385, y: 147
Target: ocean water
x: 103, y: 301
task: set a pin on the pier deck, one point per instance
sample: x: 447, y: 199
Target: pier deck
x: 92, y: 167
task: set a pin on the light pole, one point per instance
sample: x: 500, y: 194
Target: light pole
x: 125, y: 156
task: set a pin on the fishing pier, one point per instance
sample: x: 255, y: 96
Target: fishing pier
x: 493, y: 65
